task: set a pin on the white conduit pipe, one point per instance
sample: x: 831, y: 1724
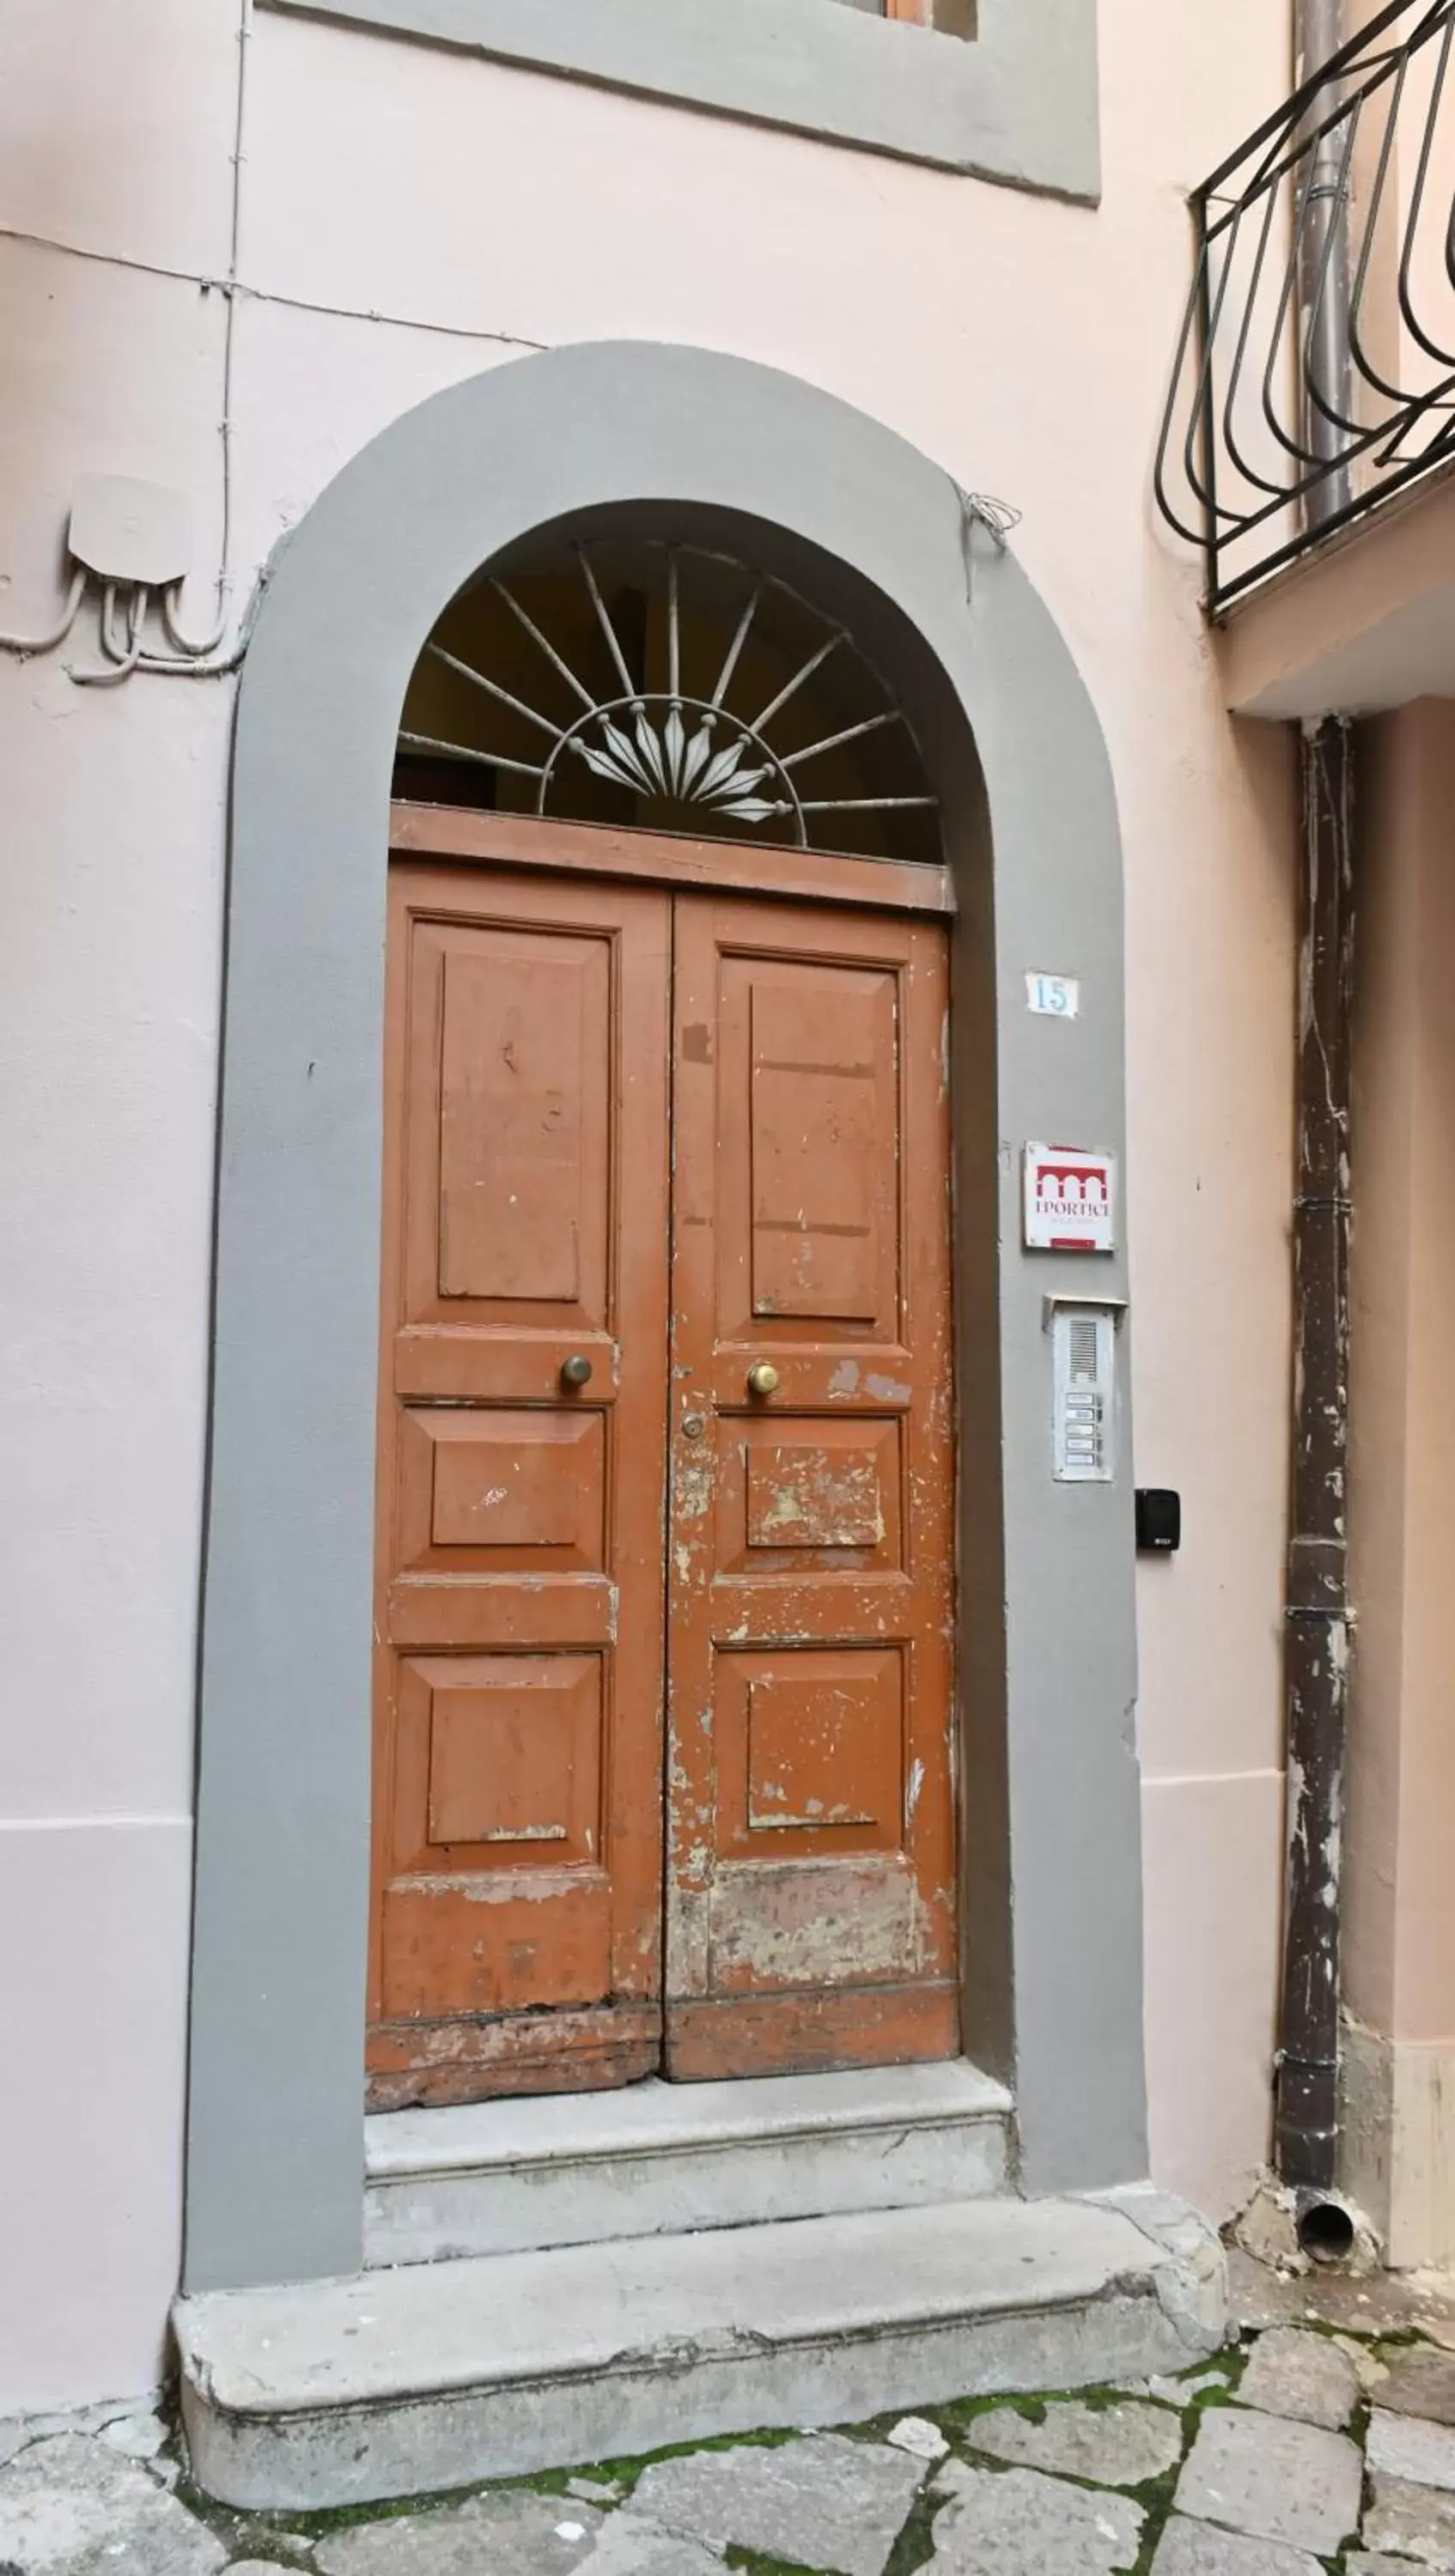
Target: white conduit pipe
x: 27, y: 644
x: 124, y: 658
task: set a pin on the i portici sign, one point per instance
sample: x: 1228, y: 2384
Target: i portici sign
x: 1070, y: 1199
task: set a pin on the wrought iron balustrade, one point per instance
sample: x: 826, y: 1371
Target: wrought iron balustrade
x: 1315, y: 371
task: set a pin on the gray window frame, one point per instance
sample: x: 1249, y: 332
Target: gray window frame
x: 1017, y: 104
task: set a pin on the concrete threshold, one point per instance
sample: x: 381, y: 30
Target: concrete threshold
x: 433, y: 2376
x: 666, y: 2159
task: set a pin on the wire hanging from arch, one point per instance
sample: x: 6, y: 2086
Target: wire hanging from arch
x: 673, y: 745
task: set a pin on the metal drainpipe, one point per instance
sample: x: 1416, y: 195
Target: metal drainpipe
x: 1317, y: 1625
x: 1323, y: 268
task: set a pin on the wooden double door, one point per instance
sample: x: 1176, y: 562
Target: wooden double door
x: 665, y: 1567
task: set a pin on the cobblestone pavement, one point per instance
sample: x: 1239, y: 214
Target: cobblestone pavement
x: 1323, y: 2439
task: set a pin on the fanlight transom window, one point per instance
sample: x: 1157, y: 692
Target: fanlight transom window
x: 668, y: 687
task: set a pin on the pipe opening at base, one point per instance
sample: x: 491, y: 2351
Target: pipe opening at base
x: 1325, y: 2231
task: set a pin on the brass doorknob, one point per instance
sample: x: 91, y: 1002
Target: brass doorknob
x: 762, y: 1378
x: 576, y: 1370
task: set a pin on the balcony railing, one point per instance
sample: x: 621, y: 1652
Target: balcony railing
x: 1315, y: 373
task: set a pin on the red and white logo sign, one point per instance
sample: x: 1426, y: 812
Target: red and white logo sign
x: 1070, y: 1195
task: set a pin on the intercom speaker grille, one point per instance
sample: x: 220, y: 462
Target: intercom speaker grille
x: 1083, y: 1353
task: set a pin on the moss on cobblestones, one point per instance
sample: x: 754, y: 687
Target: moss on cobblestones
x: 628, y: 2470
x: 1156, y: 2499
x: 753, y: 2563
x: 915, y: 2545
x: 290, y: 2538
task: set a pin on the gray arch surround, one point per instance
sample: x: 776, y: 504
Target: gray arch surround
x: 1052, y: 1832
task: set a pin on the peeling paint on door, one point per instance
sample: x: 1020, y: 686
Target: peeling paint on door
x: 811, y: 1599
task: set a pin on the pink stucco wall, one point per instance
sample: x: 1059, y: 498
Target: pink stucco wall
x: 409, y: 217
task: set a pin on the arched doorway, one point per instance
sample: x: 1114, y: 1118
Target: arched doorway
x: 664, y: 1582
x: 775, y: 472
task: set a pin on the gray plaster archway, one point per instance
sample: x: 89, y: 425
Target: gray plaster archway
x: 1052, y: 1830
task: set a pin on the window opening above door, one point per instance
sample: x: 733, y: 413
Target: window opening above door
x: 949, y: 17
x: 666, y: 686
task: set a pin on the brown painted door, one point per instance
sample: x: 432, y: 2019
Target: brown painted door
x: 810, y: 1911
x: 518, y: 1699
x: 530, y: 1834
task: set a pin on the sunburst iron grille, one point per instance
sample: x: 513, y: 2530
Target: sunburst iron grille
x: 709, y: 747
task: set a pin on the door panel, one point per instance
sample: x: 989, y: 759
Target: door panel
x: 522, y: 1490
x: 809, y: 1498
x: 810, y: 1907
x: 809, y: 1752
x: 819, y: 1144
x: 512, y: 1045
x: 518, y: 1826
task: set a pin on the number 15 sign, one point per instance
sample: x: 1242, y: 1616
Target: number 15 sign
x: 1070, y: 1199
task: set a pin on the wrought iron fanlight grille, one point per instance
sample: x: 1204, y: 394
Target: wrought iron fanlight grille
x: 707, y: 693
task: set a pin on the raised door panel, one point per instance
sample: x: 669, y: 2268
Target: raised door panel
x: 497, y: 1810
x: 519, y: 1691
x: 809, y: 1752
x: 521, y: 1486
x: 522, y: 1215
x: 806, y: 1504
x: 810, y: 1900
x: 820, y: 1241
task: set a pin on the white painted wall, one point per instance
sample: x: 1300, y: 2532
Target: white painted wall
x: 409, y: 217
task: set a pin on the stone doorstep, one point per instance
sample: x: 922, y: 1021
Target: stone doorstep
x: 665, y: 2159
x: 434, y: 2376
